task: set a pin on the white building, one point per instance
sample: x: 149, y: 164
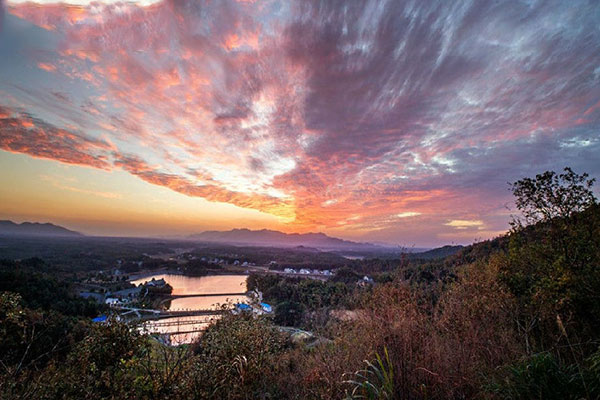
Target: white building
x: 367, y: 279
x: 112, y: 301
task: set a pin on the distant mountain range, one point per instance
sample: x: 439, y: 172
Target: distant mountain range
x: 9, y: 228
x: 248, y: 237
x: 266, y: 237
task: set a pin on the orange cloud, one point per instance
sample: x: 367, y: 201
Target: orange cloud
x: 23, y: 134
x: 49, y: 16
x: 47, y: 67
x: 210, y: 192
x: 232, y: 41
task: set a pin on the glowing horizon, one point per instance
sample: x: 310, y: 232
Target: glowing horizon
x: 387, y: 121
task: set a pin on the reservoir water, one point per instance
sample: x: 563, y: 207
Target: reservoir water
x: 187, y: 329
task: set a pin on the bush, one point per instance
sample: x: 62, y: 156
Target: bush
x: 100, y: 366
x: 540, y: 376
x: 289, y: 313
x: 235, y: 359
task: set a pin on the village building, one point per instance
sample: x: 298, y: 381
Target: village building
x: 159, y: 283
x: 112, y: 301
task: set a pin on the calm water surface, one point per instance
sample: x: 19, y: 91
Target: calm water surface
x: 189, y: 285
x: 200, y: 284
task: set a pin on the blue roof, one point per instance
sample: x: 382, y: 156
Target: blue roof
x: 101, y: 318
x: 266, y: 307
x: 243, y: 306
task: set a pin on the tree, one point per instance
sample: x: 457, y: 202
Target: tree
x: 103, y: 365
x: 289, y: 313
x: 553, y: 255
x: 550, y: 195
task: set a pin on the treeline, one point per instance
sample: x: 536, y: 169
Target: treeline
x: 297, y: 301
x: 297, y: 257
x: 84, y: 253
x: 43, y: 290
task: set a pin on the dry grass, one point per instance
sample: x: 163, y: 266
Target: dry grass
x: 436, y: 350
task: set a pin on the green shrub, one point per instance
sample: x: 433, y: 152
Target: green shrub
x: 543, y: 376
x: 376, y: 381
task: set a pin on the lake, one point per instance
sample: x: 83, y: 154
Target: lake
x: 190, y: 285
x: 185, y: 285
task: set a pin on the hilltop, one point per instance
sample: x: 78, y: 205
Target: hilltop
x: 9, y: 228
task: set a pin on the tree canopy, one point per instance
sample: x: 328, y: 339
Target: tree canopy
x: 550, y: 195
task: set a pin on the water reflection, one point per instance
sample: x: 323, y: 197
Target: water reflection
x: 187, y: 329
x: 183, y: 285
x: 204, y: 303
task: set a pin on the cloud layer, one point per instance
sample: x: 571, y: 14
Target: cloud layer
x: 374, y: 118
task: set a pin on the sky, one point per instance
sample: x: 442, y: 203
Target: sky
x: 385, y: 121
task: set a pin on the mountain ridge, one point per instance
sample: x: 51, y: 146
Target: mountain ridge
x: 269, y: 237
x: 10, y: 228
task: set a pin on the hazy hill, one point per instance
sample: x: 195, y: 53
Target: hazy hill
x: 439, y: 252
x: 9, y: 228
x: 267, y: 237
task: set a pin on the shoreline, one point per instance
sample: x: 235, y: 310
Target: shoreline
x: 148, y: 273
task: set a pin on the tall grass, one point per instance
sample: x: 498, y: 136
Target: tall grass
x: 543, y: 376
x: 376, y: 381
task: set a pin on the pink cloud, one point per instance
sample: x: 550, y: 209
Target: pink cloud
x: 47, y: 67
x: 21, y: 133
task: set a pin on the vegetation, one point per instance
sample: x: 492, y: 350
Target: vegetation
x: 516, y: 317
x: 42, y: 290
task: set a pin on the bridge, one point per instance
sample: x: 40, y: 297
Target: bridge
x: 150, y: 314
x: 181, y: 296
x: 188, y: 323
x: 189, y: 313
x: 183, y: 327
x: 175, y: 323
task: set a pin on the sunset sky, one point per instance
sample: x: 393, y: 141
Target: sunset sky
x: 392, y: 121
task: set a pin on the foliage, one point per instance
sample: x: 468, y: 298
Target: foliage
x: 291, y: 296
x: 87, y: 253
x: 100, y: 366
x: 30, y: 337
x: 376, y: 381
x: 553, y: 270
x: 42, y: 290
x: 289, y: 313
x: 159, y: 290
x: 31, y: 340
x: 346, y: 275
x: 235, y: 358
x: 543, y: 376
x: 549, y: 196
x: 199, y: 267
